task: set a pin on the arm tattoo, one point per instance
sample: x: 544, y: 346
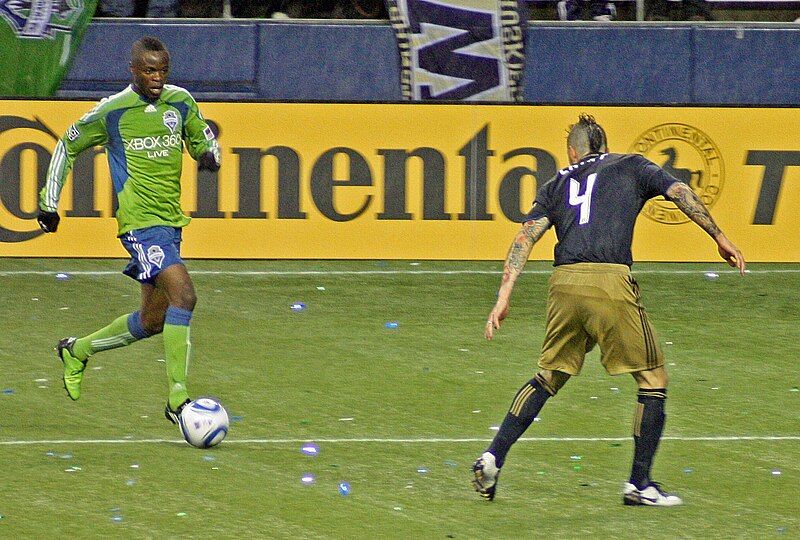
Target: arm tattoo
x: 690, y: 204
x: 521, y: 248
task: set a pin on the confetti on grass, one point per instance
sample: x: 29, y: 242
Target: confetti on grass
x: 310, y: 449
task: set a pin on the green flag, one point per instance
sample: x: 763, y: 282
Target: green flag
x: 37, y: 41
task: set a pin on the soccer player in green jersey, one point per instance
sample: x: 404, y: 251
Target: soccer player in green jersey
x: 144, y: 129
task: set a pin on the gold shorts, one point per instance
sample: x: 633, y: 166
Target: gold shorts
x: 597, y: 303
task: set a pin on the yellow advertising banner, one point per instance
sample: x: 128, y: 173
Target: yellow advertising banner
x: 411, y: 181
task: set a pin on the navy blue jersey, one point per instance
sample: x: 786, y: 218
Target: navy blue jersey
x: 593, y: 206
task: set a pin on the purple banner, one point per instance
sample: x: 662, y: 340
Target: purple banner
x: 463, y: 50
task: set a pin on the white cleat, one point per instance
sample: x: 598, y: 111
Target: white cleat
x: 652, y: 495
x: 486, y: 473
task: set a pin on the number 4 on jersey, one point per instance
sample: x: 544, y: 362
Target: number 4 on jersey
x: 583, y: 200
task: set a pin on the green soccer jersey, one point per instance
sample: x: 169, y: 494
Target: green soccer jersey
x: 144, y: 142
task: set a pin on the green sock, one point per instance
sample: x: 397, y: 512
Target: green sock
x: 121, y: 332
x: 178, y: 347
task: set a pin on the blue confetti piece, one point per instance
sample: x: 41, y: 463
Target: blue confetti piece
x: 344, y: 489
x: 65, y: 456
x: 209, y: 458
x: 62, y: 276
x: 422, y: 470
x: 130, y: 482
x: 310, y: 449
x: 451, y: 464
x: 116, y: 519
x: 688, y: 470
x: 8, y: 391
x: 237, y: 418
x: 307, y: 479
x: 297, y: 306
x: 392, y: 324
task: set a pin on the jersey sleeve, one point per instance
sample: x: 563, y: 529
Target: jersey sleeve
x: 89, y: 131
x: 653, y: 180
x: 542, y: 204
x: 198, y: 135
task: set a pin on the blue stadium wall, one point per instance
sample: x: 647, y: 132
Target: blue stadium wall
x: 620, y: 63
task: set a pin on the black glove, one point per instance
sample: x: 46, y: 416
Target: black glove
x: 48, y: 221
x: 208, y: 162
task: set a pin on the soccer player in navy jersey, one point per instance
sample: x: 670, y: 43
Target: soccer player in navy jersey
x: 593, y: 299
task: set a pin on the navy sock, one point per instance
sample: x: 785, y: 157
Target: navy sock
x: 526, y: 406
x: 648, y: 425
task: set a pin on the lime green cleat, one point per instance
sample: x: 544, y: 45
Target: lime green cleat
x: 73, y: 368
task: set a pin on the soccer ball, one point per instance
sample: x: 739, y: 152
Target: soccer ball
x: 204, y: 422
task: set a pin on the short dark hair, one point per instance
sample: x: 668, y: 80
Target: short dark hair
x: 145, y: 44
x: 586, y: 136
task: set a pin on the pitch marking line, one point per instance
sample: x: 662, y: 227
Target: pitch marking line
x: 11, y: 273
x: 732, y: 438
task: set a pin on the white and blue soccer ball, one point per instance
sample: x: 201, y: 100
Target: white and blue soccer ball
x: 204, y: 422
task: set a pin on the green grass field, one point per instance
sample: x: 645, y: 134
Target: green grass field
x: 399, y: 414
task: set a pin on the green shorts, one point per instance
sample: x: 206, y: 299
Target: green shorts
x: 597, y: 303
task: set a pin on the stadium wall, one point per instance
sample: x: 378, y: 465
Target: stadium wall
x: 410, y: 181
x: 619, y: 63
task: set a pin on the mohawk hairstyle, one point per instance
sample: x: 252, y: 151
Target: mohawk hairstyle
x: 147, y: 44
x: 587, y: 136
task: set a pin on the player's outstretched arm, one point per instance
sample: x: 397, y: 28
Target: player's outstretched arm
x: 690, y: 204
x: 518, y: 254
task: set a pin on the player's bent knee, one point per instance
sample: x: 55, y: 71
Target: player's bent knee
x: 184, y: 297
x: 551, y: 380
x: 652, y: 378
x: 188, y: 299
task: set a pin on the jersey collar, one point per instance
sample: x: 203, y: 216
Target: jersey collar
x: 142, y: 96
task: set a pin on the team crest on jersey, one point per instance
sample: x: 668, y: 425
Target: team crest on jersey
x: 40, y: 19
x: 170, y: 120
x: 73, y: 133
x: 689, y: 155
x: 155, y: 255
